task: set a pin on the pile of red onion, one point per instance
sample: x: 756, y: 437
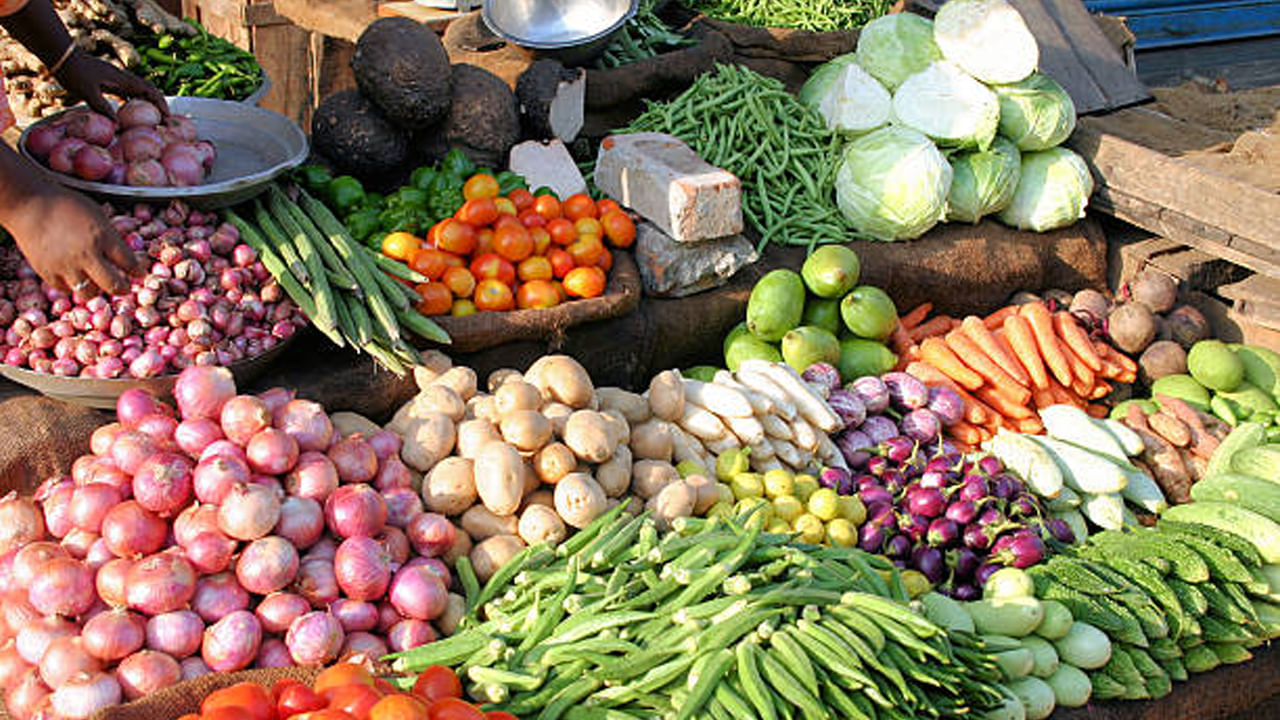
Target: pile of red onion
x: 138, y: 148
x: 239, y: 532
x: 206, y: 300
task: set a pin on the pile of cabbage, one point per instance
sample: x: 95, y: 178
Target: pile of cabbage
x: 949, y: 120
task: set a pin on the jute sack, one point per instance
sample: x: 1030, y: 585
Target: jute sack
x: 177, y: 700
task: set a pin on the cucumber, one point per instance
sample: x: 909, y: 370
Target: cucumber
x: 1259, y: 530
x: 1073, y: 425
x: 1129, y: 440
x: 1143, y: 492
x: 1068, y: 499
x: 1247, y: 491
x: 1247, y: 435
x: 1015, y: 617
x: 1031, y: 461
x: 1082, y: 470
x: 1105, y: 510
x: 1262, y: 461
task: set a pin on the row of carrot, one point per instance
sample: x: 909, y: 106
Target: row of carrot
x: 1009, y: 364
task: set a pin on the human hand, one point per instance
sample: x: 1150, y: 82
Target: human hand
x: 87, y: 78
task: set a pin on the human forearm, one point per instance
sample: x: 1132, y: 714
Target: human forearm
x: 20, y: 181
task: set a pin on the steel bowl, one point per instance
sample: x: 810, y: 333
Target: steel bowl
x: 255, y: 146
x: 574, y: 31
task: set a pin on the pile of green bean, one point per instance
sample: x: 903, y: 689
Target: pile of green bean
x: 715, y: 620
x: 816, y: 15
x: 781, y: 150
x: 346, y: 290
x: 645, y: 36
x: 202, y: 65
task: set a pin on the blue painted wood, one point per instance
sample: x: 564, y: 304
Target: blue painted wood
x: 1169, y: 23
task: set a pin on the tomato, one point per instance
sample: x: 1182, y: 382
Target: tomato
x: 478, y: 212
x: 541, y: 240
x: 430, y: 262
x: 561, y: 262
x: 537, y: 294
x: 280, y: 685
x: 534, y: 268
x: 342, y: 674
x: 531, y: 219
x: 522, y: 198
x: 451, y: 708
x: 484, y: 241
x: 493, y: 267
x: 587, y: 250
x: 189, y: 716
x: 480, y: 185
x: 562, y: 231
x: 585, y: 282
x: 608, y: 205
x: 462, y: 308
x: 499, y: 715
x: 296, y: 699
x: 505, y: 206
x: 436, y: 682
x: 548, y: 206
x: 456, y: 236
x: 605, y: 262
x: 227, y: 712
x: 619, y: 228
x: 356, y: 699
x: 399, y: 245
x: 460, y: 281
x: 513, y: 243
x: 433, y: 234
x: 437, y: 299
x: 579, y: 206
x: 247, y: 696
x: 588, y: 226
x: 398, y: 706
x: 326, y: 714
x: 506, y: 221
x: 493, y: 295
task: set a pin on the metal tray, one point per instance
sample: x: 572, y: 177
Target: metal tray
x: 255, y: 146
x: 102, y: 394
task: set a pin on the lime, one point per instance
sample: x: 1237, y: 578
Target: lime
x: 778, y: 483
x: 788, y: 508
x: 824, y: 503
x: 842, y: 533
x: 811, y: 528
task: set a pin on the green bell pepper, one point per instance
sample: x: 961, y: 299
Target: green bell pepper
x: 456, y: 162
x: 422, y: 177
x: 345, y: 194
x: 544, y: 190
x: 408, y: 197
x: 314, y: 177
x: 508, y: 181
x: 375, y: 200
x: 363, y: 222
x: 374, y: 241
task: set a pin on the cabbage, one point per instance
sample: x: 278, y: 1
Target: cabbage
x: 846, y: 96
x: 950, y: 107
x: 894, y: 47
x: 987, y: 39
x: 1035, y: 113
x: 892, y: 183
x: 983, y: 181
x: 1053, y: 191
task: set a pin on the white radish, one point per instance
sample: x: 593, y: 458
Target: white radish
x: 821, y: 391
x: 761, y: 383
x: 759, y: 403
x: 749, y: 430
x: 719, y: 399
x: 806, y: 438
x: 811, y: 406
x: 762, y: 449
x: 723, y: 445
x: 790, y: 454
x: 685, y: 448
x: 701, y: 423
x: 829, y: 454
x: 763, y: 465
x: 776, y: 427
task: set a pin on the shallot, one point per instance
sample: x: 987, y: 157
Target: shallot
x: 314, y: 638
x: 267, y: 564
x: 113, y: 635
x: 84, y: 694
x: 232, y: 643
x: 278, y: 610
x: 145, y: 672
x: 176, y: 633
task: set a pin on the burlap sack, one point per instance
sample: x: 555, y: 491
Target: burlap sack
x: 185, y: 697
x: 40, y: 437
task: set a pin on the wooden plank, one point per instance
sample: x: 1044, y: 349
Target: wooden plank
x: 284, y: 52
x: 344, y: 19
x: 1257, y: 298
x: 1058, y: 58
x: 434, y: 18
x: 1098, y: 55
x: 262, y: 14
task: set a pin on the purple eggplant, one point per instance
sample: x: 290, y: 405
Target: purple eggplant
x: 894, y: 480
x: 992, y: 517
x: 976, y: 538
x: 887, y: 520
x: 1004, y: 486
x: 990, y: 465
x: 879, y: 428
x: 941, y: 464
x: 965, y: 593
x: 875, y: 495
x: 837, y: 479
x: 1023, y: 506
x: 943, y: 532
x: 878, y: 465
x: 935, y: 479
x: 963, y: 562
x: 872, y: 391
x: 914, y: 526
x: 962, y: 511
x: 905, y: 391
x: 823, y: 375
x: 949, y: 449
x: 974, y: 488
x: 898, y: 448
x: 946, y: 404
x: 929, y: 561
x: 848, y: 407
x: 898, y: 546
x: 871, y: 538
x: 854, y: 445
x: 1022, y: 550
x: 921, y: 425
x: 926, y: 502
x: 1060, y: 530
x: 984, y: 573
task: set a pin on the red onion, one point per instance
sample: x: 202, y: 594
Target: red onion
x: 362, y: 568
x: 231, y: 643
x: 196, y: 434
x: 159, y: 428
x: 307, y: 423
x: 325, y: 549
x: 202, y: 391
x: 417, y: 592
x: 431, y: 534
x: 195, y: 521
x: 131, y: 530
x: 12, y: 666
x: 272, y: 452
x: 99, y: 554
x: 131, y: 449
x: 21, y: 522
x: 62, y: 587
x: 279, y: 609
x: 194, y: 667
x: 85, y: 694
x: 267, y: 565
x: 162, y: 483
x: 218, y: 594
x: 40, y: 140
x: 396, y: 544
x: 273, y: 653
x: 102, y: 438
x: 61, y: 157
x: 22, y: 699
x: 225, y: 448
x: 392, y: 473
x: 160, y: 583
x: 249, y: 512
x: 35, y: 637
x: 435, y: 565
x: 210, y: 552
x: 29, y: 562
x: 276, y: 398
x: 91, y: 127
x: 355, y: 615
x: 214, y: 477
x: 92, y: 163
x: 354, y: 458
x: 314, y: 476
x: 314, y: 639
x: 111, y: 582
x: 56, y: 504
x: 301, y: 521
x: 147, y: 671
x: 410, y: 633
x: 269, y: 482
x: 91, y: 503
x: 317, y: 582
x: 403, y: 505
x: 385, y: 444
x: 114, y: 634
x: 65, y: 657
x: 176, y: 633
x: 355, y: 510
x: 78, y: 542
x: 387, y: 616
x: 364, y: 644
x: 104, y: 470
x: 242, y: 417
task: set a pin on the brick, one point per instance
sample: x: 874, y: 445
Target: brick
x: 673, y: 269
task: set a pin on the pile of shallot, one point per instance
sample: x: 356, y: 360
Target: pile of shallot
x: 206, y: 300
x: 242, y: 531
x: 139, y: 147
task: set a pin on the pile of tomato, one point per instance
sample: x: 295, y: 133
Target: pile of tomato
x: 346, y: 691
x: 520, y: 250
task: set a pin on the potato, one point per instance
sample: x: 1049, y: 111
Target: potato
x: 455, y: 608
x: 473, y: 434
x: 442, y: 399
x: 579, y: 499
x: 517, y: 395
x: 541, y: 496
x: 675, y: 500
x: 462, y: 380
x: 427, y: 440
x: 482, y: 407
x: 666, y: 395
x: 558, y: 414
x: 648, y: 477
x: 432, y: 365
x: 541, y: 524
x: 707, y: 492
x: 481, y: 524
x: 527, y: 430
x: 589, y: 436
x: 488, y: 556
x: 563, y: 379
x: 499, y: 472
x: 652, y: 440
x: 408, y: 412
x: 554, y: 461
x: 450, y: 487
x: 614, y: 475
x: 462, y: 544
x: 528, y: 478
x: 619, y: 425
x: 501, y: 376
x: 632, y: 406
x: 349, y: 423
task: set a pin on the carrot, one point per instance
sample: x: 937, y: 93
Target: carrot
x: 1100, y: 391
x: 899, y: 341
x: 1003, y: 404
x: 1074, y: 337
x: 973, y: 329
x: 965, y: 433
x: 1096, y: 411
x: 1018, y: 332
x: 1030, y: 426
x: 1110, y: 370
x: 936, y: 352
x: 930, y: 328
x: 1109, y: 353
x: 1083, y: 375
x: 986, y: 434
x: 1041, y: 322
x: 916, y: 316
x: 997, y: 318
x: 975, y: 411
x: 1063, y: 396
x: 1081, y: 390
x: 1041, y: 399
x: 974, y: 357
